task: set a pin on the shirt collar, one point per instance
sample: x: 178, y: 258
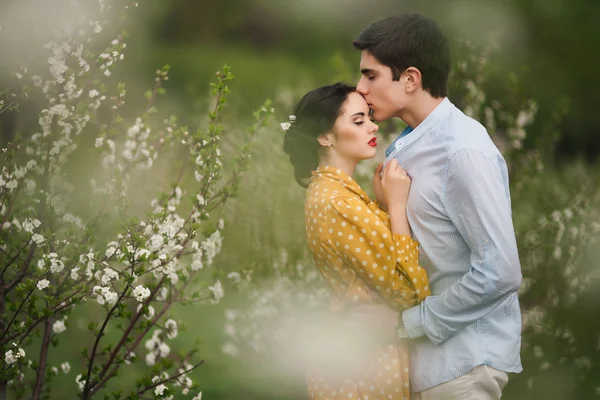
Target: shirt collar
x: 432, y: 121
x: 337, y: 175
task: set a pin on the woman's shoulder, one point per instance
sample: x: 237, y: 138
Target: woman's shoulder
x: 328, y: 195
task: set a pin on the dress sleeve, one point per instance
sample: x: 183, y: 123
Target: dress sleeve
x: 388, y: 263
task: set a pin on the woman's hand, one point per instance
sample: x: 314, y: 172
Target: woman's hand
x: 377, y: 189
x: 395, y: 185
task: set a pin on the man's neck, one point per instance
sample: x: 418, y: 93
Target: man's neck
x: 420, y: 109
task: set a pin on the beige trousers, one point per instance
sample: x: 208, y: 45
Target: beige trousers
x: 481, y: 383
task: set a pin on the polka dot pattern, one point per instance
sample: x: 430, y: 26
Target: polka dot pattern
x: 362, y: 262
x: 385, y: 375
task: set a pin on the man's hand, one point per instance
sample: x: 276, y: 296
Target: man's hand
x: 377, y: 188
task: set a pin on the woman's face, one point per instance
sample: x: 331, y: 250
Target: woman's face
x: 354, y: 132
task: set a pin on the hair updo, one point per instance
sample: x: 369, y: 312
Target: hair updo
x: 315, y: 113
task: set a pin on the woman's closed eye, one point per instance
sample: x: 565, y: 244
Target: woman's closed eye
x: 359, y: 122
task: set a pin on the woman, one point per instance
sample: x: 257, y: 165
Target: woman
x: 365, y: 254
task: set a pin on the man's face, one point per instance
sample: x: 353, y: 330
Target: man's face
x: 386, y: 97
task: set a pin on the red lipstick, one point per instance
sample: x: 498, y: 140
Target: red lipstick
x: 373, y: 142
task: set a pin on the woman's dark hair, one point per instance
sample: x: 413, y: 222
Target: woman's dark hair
x: 315, y: 114
x: 410, y: 40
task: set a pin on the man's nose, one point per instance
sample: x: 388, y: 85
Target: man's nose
x: 361, y: 87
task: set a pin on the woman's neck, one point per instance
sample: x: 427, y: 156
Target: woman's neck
x: 345, y: 165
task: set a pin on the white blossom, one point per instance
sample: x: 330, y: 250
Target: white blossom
x: 80, y: 382
x: 161, y: 295
x: 59, y: 326
x: 164, y: 349
x: 171, y: 327
x: 11, y: 357
x: 65, y: 367
x: 141, y: 293
x: 160, y: 389
x: 37, y: 238
x: 150, y: 359
x: 129, y: 357
x: 104, y: 295
x: 216, y: 292
x: 43, y: 284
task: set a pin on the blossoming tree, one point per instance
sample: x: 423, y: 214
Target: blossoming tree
x: 125, y: 266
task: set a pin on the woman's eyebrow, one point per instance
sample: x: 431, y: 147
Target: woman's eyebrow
x: 362, y: 114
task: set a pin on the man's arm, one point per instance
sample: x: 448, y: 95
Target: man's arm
x: 478, y: 203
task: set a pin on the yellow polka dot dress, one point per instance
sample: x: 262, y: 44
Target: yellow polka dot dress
x: 362, y: 261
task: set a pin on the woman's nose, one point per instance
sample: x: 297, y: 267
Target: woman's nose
x: 375, y: 127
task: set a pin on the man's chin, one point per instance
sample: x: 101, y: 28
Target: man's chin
x: 379, y: 116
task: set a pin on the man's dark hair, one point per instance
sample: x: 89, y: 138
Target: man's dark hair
x: 410, y: 40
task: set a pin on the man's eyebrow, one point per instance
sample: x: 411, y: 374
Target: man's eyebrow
x: 362, y: 114
x: 365, y: 71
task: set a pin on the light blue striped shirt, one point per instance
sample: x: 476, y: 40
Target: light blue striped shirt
x: 460, y: 213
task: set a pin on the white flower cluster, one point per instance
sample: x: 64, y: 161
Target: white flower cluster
x: 183, y: 380
x: 11, y: 357
x: 216, y: 291
x: 525, y: 117
x: 43, y: 284
x: 171, y: 327
x: 288, y: 124
x: 59, y: 326
x: 51, y: 261
x: 29, y: 225
x: 156, y: 348
x: 104, y: 295
x: 141, y: 293
x: 80, y: 382
x: 149, y: 314
x: 108, y: 58
x: 64, y: 367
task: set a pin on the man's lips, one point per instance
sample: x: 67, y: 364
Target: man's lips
x: 373, y: 142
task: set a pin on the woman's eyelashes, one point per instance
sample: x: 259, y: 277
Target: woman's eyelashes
x: 359, y: 122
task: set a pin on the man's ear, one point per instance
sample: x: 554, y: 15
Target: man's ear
x: 325, y: 140
x: 413, y: 79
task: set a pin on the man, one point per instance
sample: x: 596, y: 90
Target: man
x: 465, y: 337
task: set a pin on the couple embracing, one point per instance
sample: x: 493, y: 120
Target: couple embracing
x: 433, y: 258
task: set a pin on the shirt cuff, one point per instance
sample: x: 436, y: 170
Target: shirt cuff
x: 412, y: 322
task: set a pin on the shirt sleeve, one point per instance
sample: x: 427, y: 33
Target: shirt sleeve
x: 388, y: 263
x: 478, y: 203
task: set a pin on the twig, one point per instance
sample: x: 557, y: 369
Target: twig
x: 16, y: 314
x: 39, y: 380
x: 168, y: 379
x: 88, y: 387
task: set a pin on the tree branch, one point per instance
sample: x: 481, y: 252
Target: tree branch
x: 88, y: 386
x: 39, y: 379
x: 168, y: 379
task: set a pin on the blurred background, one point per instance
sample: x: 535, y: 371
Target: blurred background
x: 526, y: 68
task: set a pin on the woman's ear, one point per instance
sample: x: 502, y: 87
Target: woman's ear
x: 325, y: 140
x: 413, y: 79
